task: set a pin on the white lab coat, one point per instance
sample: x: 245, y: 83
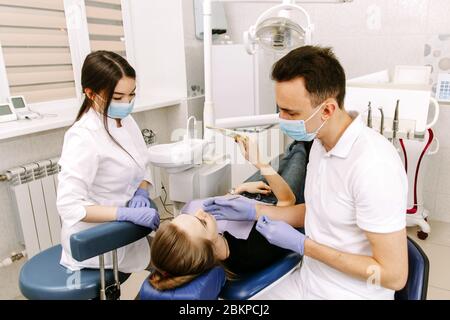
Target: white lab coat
x: 95, y: 171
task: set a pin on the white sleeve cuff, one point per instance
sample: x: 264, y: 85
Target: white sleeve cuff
x: 388, y: 228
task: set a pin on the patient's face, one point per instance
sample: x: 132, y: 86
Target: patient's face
x: 200, y: 225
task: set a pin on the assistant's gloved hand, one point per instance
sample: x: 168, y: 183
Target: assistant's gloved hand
x: 147, y: 217
x: 140, y: 199
x: 234, y: 208
x: 281, y: 234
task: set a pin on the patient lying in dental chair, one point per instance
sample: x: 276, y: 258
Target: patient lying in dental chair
x: 194, y: 242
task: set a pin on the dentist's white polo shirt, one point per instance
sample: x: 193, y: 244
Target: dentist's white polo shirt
x: 360, y: 185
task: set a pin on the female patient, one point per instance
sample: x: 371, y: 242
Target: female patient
x: 190, y: 245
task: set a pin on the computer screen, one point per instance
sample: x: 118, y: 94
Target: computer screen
x: 5, y: 110
x: 18, y: 103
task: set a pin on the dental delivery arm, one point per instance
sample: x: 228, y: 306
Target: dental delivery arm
x: 388, y: 265
x: 293, y: 215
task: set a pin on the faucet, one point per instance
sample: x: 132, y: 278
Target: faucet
x: 187, y: 126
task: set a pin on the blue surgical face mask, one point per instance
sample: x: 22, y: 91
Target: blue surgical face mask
x: 119, y: 110
x: 296, y: 129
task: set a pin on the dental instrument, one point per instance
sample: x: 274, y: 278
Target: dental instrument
x: 382, y: 120
x: 395, y: 125
x: 229, y: 133
x: 369, y: 116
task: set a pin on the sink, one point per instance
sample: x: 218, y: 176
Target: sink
x: 178, y: 156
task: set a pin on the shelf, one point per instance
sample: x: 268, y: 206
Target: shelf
x: 56, y: 117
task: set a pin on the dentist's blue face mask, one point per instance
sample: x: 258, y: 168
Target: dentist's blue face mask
x: 119, y: 110
x: 296, y: 129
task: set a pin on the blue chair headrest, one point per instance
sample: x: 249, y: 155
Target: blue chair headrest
x: 204, y: 287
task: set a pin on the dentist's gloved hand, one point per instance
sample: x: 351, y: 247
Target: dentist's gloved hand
x: 281, y: 234
x: 146, y: 217
x: 235, y: 208
x: 140, y: 199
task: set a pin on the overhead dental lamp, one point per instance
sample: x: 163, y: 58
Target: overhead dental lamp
x: 276, y: 31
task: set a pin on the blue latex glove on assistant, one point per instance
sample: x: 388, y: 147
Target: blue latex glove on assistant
x: 281, y: 234
x: 140, y: 199
x: 146, y: 217
x: 234, y: 209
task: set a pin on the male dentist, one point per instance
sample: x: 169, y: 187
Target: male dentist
x: 355, y: 245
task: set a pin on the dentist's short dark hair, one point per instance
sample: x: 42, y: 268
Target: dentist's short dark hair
x: 324, y: 76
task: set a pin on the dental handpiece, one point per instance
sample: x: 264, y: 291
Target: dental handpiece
x: 396, y: 121
x: 382, y: 120
x: 369, y: 116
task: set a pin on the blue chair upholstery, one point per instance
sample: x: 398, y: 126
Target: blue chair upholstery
x: 205, y: 287
x: 246, y: 287
x: 42, y: 277
x: 212, y: 284
x: 418, y: 271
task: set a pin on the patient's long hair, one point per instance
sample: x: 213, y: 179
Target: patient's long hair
x: 178, y: 259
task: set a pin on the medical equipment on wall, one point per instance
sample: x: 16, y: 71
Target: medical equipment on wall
x: 443, y: 88
x: 404, y: 107
x: 7, y: 112
x: 21, y: 108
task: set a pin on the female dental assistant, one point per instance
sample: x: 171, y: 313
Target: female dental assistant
x: 104, y: 174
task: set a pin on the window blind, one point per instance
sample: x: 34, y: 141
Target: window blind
x: 105, y: 25
x: 33, y: 35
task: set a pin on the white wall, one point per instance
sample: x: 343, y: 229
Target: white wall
x: 372, y: 35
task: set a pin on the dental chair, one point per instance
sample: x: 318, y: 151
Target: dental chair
x: 416, y: 287
x: 208, y: 286
x: 43, y: 278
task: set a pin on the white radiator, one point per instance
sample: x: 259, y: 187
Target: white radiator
x: 33, y: 190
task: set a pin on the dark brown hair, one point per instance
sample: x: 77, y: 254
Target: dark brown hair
x: 101, y: 72
x: 177, y: 259
x: 323, y: 74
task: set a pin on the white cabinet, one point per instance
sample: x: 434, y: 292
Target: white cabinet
x: 156, y: 37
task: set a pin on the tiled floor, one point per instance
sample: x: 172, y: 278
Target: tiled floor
x: 436, y: 247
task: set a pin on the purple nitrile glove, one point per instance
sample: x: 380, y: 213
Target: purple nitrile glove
x: 281, y: 234
x: 140, y: 199
x: 147, y: 217
x: 234, y: 208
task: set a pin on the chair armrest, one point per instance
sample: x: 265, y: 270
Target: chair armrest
x: 105, y: 238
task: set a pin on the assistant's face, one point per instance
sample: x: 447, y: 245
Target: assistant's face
x: 125, y: 90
